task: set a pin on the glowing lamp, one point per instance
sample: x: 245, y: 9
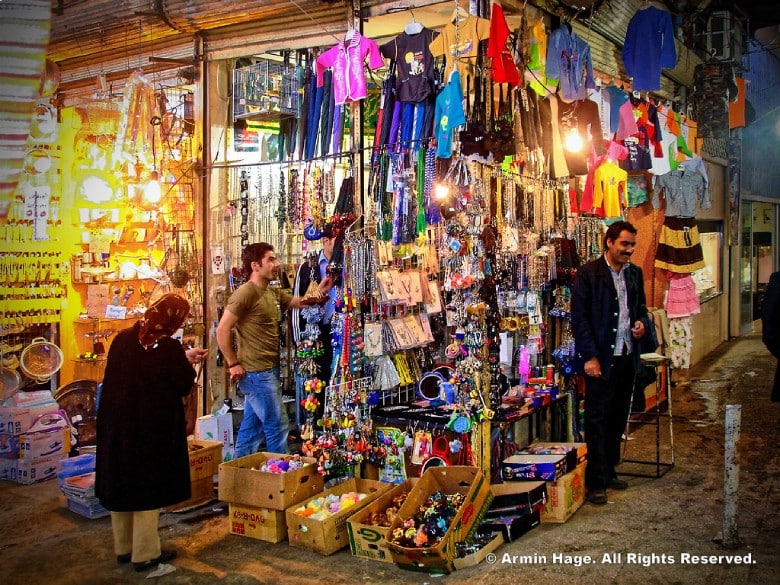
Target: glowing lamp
x: 441, y: 191
x: 572, y: 141
x: 153, y: 191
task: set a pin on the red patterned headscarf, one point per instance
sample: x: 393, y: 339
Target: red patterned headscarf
x: 162, y: 319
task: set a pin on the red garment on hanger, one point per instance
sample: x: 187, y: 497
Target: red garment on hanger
x: 503, y: 68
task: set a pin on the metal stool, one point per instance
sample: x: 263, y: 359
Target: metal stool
x: 655, y: 415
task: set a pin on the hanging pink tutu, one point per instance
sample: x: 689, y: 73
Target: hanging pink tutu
x: 681, y: 298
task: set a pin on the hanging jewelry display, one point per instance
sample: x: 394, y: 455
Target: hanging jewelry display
x: 282, y: 204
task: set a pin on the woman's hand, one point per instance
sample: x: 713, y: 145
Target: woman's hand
x: 196, y: 355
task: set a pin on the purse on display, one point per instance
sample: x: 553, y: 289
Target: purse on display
x: 500, y: 140
x: 472, y: 137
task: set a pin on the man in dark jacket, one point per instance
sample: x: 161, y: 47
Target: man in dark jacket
x: 142, y: 461
x: 770, y: 321
x: 609, y: 315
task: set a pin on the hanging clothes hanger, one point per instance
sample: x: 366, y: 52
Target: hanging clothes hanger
x: 459, y: 14
x: 413, y: 27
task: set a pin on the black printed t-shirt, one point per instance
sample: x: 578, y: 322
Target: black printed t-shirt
x: 414, y: 64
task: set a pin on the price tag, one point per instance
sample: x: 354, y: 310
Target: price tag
x: 115, y: 312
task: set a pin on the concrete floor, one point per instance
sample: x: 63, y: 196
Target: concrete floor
x: 652, y: 526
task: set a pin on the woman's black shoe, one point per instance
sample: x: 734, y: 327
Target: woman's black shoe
x: 165, y: 556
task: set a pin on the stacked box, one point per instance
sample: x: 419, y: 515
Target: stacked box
x: 15, y: 420
x: 75, y: 466
x: 516, y: 508
x: 533, y: 467
x: 79, y: 491
x: 575, y: 453
x: 7, y: 469
x: 565, y: 496
x: 242, y: 482
x: 50, y: 443
x: 257, y: 499
x: 331, y: 534
x: 368, y: 541
x: 33, y: 439
x: 260, y: 523
x: 440, y: 558
x: 34, y: 470
x: 549, y: 462
x: 205, y: 457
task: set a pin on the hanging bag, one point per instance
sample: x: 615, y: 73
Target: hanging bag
x: 472, y: 138
x: 500, y: 139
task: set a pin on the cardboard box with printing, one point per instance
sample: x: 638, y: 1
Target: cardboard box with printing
x: 368, y: 540
x: 15, y: 420
x: 565, y: 496
x: 517, y: 497
x: 260, y: 523
x: 440, y: 558
x: 533, y: 467
x: 242, y: 482
x: 45, y: 443
x: 330, y: 534
x: 48, y: 435
x: 575, y: 453
x: 217, y: 427
x: 205, y: 457
x: 35, y: 470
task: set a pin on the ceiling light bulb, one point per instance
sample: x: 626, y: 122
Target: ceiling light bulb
x: 152, y: 191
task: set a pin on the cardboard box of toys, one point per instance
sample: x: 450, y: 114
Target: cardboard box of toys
x: 327, y: 533
x: 575, y: 453
x: 565, y: 496
x: 476, y: 557
x: 241, y: 481
x: 368, y: 527
x: 523, y: 466
x: 437, y: 554
x: 260, y: 523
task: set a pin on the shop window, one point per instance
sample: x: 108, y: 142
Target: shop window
x: 709, y: 280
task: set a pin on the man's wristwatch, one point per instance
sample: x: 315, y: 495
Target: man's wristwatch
x: 231, y: 366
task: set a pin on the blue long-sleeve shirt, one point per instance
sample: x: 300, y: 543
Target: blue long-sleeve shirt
x: 649, y: 46
x: 569, y: 61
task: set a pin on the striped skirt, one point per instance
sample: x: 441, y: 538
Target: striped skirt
x: 679, y: 246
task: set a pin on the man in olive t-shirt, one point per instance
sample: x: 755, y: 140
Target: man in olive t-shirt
x: 254, y: 310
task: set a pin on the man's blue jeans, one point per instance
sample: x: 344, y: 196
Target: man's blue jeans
x: 265, y: 419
